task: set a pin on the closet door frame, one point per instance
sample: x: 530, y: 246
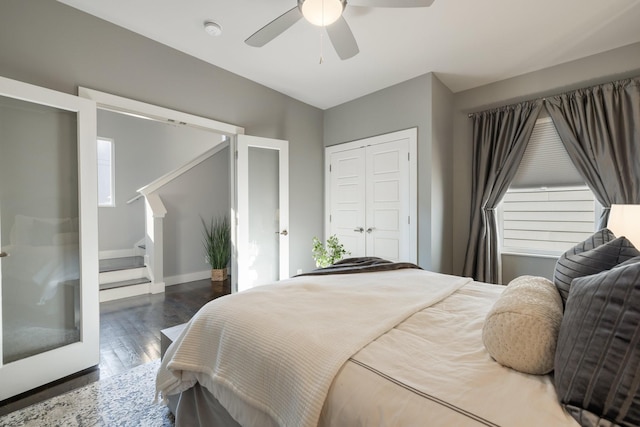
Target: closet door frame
x: 412, y: 136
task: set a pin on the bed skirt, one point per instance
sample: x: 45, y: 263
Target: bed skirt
x: 198, y: 407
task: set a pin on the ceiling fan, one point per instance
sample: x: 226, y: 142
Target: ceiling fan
x: 326, y: 13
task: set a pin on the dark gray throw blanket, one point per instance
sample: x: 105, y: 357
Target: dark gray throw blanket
x: 360, y: 265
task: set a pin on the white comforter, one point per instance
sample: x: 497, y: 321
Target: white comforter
x: 269, y: 355
x: 433, y: 370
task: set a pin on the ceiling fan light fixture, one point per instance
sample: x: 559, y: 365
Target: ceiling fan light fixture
x: 321, y: 12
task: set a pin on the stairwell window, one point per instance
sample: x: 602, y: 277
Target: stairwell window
x: 548, y: 207
x: 106, y: 175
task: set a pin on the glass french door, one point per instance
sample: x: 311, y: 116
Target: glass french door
x: 263, y: 211
x: 49, y: 310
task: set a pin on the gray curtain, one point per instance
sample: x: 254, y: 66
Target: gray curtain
x: 500, y: 138
x: 600, y: 128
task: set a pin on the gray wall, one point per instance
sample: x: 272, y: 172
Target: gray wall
x: 423, y: 102
x: 144, y: 151
x: 441, y: 177
x: 80, y: 50
x: 208, y: 197
x: 619, y: 63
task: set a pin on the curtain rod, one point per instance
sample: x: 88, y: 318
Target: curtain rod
x: 505, y: 106
x: 629, y: 79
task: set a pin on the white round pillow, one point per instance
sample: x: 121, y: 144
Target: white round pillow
x: 521, y: 329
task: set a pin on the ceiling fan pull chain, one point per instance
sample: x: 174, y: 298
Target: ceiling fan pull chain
x: 321, y: 44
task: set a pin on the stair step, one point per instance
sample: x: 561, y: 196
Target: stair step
x: 125, y: 263
x: 123, y: 283
x: 122, y: 275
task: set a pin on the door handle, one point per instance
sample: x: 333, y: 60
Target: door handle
x: 370, y: 229
x: 3, y: 254
x: 358, y: 229
x: 283, y: 232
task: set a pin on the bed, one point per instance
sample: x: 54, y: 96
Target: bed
x: 395, y: 347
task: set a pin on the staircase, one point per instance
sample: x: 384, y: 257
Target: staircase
x: 123, y: 277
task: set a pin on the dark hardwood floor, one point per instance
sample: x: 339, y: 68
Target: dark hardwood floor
x: 130, y: 334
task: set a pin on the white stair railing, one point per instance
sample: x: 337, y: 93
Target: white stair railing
x: 155, y: 212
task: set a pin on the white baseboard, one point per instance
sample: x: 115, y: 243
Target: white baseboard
x: 116, y: 253
x: 156, y: 287
x: 187, y: 277
x: 151, y: 288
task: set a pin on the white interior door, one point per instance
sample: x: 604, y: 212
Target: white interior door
x: 348, y: 183
x: 387, y: 195
x: 262, y: 218
x: 49, y: 309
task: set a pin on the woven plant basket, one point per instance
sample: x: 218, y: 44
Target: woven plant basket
x: 218, y: 275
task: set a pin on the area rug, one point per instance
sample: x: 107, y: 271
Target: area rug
x: 123, y: 400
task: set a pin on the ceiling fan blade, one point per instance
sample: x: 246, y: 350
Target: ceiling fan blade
x: 342, y: 39
x: 274, y: 28
x: 390, y: 3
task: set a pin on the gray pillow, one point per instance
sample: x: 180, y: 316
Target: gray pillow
x: 597, y: 361
x: 629, y: 261
x: 598, y: 253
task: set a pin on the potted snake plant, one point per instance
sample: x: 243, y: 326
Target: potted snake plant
x: 217, y: 245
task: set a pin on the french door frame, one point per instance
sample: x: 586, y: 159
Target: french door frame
x: 33, y: 371
x: 133, y: 107
x: 243, y: 143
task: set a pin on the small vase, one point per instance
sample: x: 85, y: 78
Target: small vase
x: 218, y: 275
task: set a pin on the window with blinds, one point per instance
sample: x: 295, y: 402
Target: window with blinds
x: 548, y: 207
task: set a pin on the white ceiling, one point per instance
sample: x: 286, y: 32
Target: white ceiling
x: 467, y: 43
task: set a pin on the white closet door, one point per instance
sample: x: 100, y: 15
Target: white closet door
x: 372, y: 195
x: 348, y: 178
x: 387, y: 200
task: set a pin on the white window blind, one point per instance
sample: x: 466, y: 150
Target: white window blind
x: 546, y: 220
x: 545, y: 162
x: 548, y: 208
